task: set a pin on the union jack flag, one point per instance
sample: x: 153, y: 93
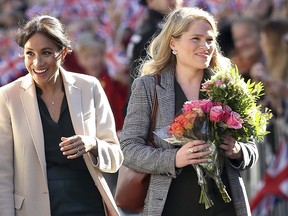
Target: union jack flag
x: 274, y: 186
x: 117, y: 61
x: 11, y: 64
x: 68, y: 9
x: 219, y: 6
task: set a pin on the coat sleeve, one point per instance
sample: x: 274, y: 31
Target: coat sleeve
x: 250, y: 156
x: 138, y: 155
x: 6, y: 159
x: 109, y: 156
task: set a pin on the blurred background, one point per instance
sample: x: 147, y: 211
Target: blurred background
x: 105, y: 34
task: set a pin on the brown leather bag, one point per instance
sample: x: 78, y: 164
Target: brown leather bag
x: 132, y: 186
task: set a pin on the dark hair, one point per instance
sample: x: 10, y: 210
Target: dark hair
x: 48, y: 26
x: 143, y: 2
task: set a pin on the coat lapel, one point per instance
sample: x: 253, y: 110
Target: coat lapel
x: 74, y: 98
x: 30, y: 107
x: 165, y: 91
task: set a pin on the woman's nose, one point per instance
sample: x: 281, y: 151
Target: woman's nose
x: 204, y: 45
x: 38, y: 61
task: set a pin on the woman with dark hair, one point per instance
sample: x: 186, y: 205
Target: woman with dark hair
x: 57, y: 132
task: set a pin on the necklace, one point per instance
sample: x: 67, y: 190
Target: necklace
x: 52, y: 102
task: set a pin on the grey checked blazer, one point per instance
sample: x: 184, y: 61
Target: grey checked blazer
x: 160, y: 162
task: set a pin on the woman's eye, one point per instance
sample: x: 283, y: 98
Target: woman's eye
x: 195, y: 38
x: 29, y: 53
x: 46, y: 53
x: 210, y: 41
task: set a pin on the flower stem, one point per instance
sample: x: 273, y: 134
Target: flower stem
x: 222, y: 189
x: 204, y: 196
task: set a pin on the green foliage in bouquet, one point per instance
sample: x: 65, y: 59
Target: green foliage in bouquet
x: 231, y: 106
x: 229, y: 88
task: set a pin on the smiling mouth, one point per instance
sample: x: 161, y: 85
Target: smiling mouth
x: 40, y: 71
x: 203, y: 54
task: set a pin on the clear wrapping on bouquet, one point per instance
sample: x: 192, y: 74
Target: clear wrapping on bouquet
x: 198, y: 129
x: 230, y: 107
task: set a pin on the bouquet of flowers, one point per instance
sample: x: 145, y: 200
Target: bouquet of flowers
x: 230, y: 89
x: 231, y: 107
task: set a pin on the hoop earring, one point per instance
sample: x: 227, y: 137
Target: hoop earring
x: 174, y: 52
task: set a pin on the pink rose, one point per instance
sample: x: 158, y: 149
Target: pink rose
x: 234, y: 121
x: 206, y: 105
x: 227, y: 112
x: 216, y: 114
x: 217, y: 104
x: 191, y: 105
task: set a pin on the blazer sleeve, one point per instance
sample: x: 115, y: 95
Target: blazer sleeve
x: 6, y: 159
x: 138, y: 155
x: 109, y: 154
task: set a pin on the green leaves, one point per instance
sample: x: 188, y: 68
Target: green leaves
x: 229, y: 88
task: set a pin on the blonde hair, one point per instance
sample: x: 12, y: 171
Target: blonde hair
x: 177, y: 22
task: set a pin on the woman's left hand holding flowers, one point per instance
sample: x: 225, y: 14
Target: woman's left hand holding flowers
x: 231, y: 147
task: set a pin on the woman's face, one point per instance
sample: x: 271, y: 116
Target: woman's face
x: 92, y: 60
x: 246, y: 41
x: 195, y: 47
x: 42, y: 59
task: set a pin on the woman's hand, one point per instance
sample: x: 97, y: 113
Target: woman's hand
x: 231, y: 147
x: 193, y: 152
x: 77, y: 145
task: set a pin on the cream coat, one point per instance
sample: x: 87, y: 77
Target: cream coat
x: 23, y: 178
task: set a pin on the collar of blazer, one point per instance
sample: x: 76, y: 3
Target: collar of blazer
x: 72, y: 92
x: 67, y: 78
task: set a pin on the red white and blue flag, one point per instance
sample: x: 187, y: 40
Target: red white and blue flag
x: 11, y: 64
x: 274, y: 185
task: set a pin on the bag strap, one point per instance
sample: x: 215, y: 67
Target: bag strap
x: 101, y: 184
x: 154, y: 112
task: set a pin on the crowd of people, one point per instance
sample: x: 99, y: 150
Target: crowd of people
x: 110, y: 41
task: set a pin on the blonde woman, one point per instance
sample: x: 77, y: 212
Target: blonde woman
x: 183, y: 55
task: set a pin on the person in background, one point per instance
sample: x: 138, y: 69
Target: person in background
x: 246, y: 38
x: 151, y: 24
x: 275, y: 70
x: 57, y: 132
x: 274, y: 74
x: 225, y: 39
x: 76, y: 27
x: 183, y: 55
x: 91, y: 55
